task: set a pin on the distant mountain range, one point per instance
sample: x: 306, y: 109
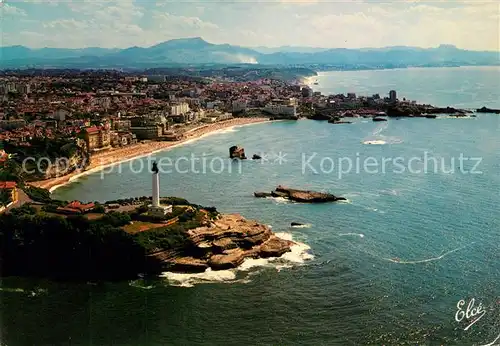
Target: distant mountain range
x: 196, y: 51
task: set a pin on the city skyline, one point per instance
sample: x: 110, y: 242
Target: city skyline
x: 126, y: 23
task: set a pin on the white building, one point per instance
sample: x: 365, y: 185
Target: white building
x: 156, y: 209
x: 239, y: 106
x: 60, y: 114
x: 179, y: 109
x: 279, y: 109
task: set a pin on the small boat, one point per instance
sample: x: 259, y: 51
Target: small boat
x: 396, y: 259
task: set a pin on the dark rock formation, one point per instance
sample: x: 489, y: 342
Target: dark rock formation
x: 337, y: 120
x: 410, y: 110
x: 262, y: 194
x: 340, y: 122
x: 302, y: 196
x: 488, y: 110
x: 431, y: 116
x: 237, y: 152
x: 319, y: 116
x: 379, y: 119
x: 296, y: 224
x: 223, y: 244
x: 256, y: 157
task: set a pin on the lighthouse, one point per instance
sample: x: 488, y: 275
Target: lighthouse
x: 156, y: 185
x: 156, y: 209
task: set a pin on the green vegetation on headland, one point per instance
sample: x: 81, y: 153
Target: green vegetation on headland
x: 95, y: 245
x: 43, y: 158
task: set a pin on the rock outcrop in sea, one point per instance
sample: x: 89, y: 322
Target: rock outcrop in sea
x: 488, y: 110
x: 302, y: 196
x: 237, y: 152
x: 223, y: 244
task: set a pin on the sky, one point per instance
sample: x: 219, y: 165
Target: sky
x: 314, y: 23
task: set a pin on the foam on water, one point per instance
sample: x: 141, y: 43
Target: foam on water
x: 189, y: 280
x: 297, y: 256
x: 375, y: 142
x: 139, y: 284
x: 361, y: 235
x: 228, y: 130
x: 307, y: 225
x: 279, y: 200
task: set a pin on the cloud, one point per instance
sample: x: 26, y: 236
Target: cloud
x: 322, y: 23
x: 167, y: 20
x: 9, y: 10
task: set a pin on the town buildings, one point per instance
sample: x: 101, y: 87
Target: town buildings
x: 393, y: 96
x: 97, y: 138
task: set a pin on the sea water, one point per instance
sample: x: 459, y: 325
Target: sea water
x: 388, y: 266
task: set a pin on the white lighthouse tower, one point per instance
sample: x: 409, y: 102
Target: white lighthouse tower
x: 156, y: 209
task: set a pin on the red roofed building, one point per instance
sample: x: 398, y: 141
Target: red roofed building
x: 97, y: 138
x: 9, y: 186
x: 76, y: 207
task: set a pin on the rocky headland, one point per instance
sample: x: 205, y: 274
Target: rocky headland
x: 302, y: 196
x: 120, y: 239
x: 222, y: 244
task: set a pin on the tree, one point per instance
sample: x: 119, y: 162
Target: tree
x: 5, y: 197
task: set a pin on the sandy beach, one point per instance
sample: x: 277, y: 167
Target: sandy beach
x: 117, y: 155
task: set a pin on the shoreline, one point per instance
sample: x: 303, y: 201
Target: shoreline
x: 117, y: 156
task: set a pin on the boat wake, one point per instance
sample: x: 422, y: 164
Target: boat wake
x: 397, y: 260
x: 299, y: 254
x: 361, y: 235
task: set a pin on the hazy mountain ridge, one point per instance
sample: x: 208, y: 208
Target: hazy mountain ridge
x: 198, y: 51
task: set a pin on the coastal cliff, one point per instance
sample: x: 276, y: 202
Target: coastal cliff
x: 222, y: 244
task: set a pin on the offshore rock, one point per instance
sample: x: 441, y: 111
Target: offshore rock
x: 262, y: 194
x: 488, y: 110
x: 237, y: 152
x: 302, y: 196
x: 256, y: 157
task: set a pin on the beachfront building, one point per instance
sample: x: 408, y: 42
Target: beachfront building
x: 239, y: 106
x: 281, y: 109
x: 147, y: 132
x: 180, y: 108
x: 97, y: 138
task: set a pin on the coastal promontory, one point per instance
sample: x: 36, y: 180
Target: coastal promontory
x: 116, y: 240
